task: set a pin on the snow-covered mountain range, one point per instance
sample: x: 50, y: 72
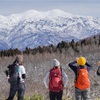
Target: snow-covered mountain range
x: 33, y: 28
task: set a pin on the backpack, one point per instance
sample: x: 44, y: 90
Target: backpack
x: 98, y: 71
x: 55, y: 83
x: 13, y: 73
x: 82, y: 80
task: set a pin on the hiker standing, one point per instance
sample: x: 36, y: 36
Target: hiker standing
x: 16, y: 75
x: 98, y: 70
x: 82, y: 83
x: 56, y: 80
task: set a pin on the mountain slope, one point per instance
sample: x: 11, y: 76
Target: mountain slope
x: 33, y: 28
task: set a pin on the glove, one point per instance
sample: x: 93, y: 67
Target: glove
x: 6, y: 72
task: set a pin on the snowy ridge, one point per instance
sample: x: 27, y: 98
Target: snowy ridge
x: 34, y: 28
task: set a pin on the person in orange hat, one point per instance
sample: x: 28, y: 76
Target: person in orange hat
x: 82, y: 83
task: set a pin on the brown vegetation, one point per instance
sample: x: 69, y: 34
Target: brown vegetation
x: 38, y: 65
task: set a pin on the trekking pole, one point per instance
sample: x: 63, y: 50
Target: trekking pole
x: 81, y: 96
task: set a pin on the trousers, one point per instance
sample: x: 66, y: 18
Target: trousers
x: 19, y: 88
x: 56, y: 95
x: 82, y: 94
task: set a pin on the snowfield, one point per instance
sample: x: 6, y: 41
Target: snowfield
x: 33, y: 28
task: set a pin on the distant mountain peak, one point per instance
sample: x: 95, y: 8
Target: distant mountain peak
x: 38, y: 28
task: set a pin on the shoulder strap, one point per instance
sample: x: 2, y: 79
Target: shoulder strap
x: 19, y: 71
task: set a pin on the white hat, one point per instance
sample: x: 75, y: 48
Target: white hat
x: 55, y: 62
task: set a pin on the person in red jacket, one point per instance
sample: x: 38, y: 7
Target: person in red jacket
x: 82, y: 83
x: 54, y: 81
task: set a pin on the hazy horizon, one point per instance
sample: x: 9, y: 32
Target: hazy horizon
x: 76, y: 7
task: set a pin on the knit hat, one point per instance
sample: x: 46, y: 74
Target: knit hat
x: 81, y: 61
x: 19, y: 58
x: 55, y: 62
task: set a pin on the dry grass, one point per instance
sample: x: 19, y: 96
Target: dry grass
x: 38, y: 65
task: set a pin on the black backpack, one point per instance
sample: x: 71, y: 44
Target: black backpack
x: 13, y: 73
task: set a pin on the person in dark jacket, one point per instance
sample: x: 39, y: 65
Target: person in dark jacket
x: 81, y: 90
x: 18, y: 84
x: 98, y: 70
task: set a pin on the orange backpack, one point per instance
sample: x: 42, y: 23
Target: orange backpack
x: 82, y: 81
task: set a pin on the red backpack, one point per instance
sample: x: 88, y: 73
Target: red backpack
x: 82, y: 81
x: 55, y: 83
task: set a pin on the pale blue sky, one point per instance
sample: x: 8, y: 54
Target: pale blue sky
x: 77, y: 7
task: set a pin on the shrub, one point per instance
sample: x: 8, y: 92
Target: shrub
x: 37, y: 97
x: 26, y: 98
x: 34, y: 97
